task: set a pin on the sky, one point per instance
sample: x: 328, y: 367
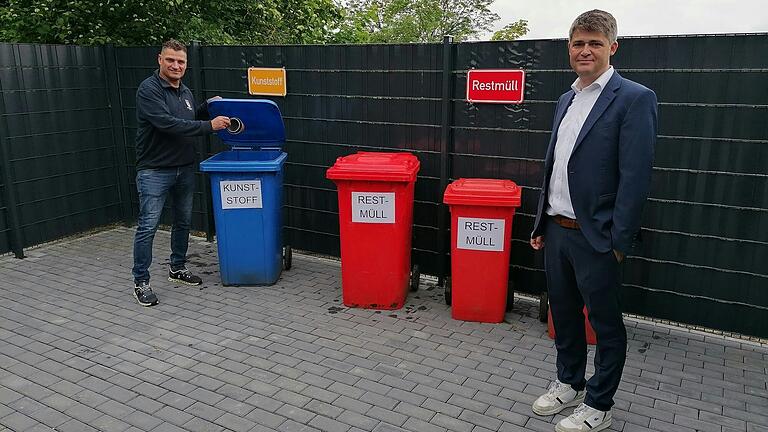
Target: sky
x: 549, y: 19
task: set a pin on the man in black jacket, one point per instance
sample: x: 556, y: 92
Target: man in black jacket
x: 165, y: 154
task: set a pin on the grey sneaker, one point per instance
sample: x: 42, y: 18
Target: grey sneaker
x: 585, y: 419
x: 559, y: 397
x: 183, y: 276
x: 143, y: 294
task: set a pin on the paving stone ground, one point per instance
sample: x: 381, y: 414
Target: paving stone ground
x: 78, y: 354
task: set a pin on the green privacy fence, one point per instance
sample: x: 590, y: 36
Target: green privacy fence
x: 67, y: 125
x: 59, y: 160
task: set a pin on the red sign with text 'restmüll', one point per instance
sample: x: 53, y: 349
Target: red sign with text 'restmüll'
x: 503, y: 86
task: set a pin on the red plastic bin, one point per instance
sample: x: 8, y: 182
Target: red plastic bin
x: 481, y: 236
x: 375, y: 227
x: 591, y: 338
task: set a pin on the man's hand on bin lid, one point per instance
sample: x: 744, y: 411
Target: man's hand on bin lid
x: 219, y: 123
x: 209, y: 100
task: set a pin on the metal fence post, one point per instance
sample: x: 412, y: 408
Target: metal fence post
x: 445, y: 137
x: 198, y: 85
x: 114, y: 96
x: 16, y: 236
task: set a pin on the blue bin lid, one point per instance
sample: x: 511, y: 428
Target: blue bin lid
x: 256, y: 123
x: 244, y: 161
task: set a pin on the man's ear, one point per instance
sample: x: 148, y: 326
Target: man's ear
x: 614, y: 47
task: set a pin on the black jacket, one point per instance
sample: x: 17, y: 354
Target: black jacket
x: 167, y: 122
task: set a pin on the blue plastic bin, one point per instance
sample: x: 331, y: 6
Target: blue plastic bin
x: 247, y: 191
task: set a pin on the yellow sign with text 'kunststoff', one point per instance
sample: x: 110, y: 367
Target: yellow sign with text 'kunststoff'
x: 266, y: 81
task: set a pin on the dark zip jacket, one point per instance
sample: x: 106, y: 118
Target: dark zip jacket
x: 167, y: 122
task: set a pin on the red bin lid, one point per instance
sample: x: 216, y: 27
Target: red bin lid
x: 483, y: 192
x: 372, y: 166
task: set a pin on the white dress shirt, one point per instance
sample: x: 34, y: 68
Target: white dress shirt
x: 559, y: 196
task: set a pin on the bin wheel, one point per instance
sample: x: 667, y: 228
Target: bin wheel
x: 543, y: 306
x: 510, y: 301
x: 415, y: 276
x: 448, y: 290
x: 287, y: 257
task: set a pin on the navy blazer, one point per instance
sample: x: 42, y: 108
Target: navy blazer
x: 609, y: 172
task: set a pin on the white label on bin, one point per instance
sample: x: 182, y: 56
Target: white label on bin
x: 240, y: 194
x: 373, y: 207
x: 480, y: 234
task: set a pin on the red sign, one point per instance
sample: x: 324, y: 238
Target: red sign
x: 503, y: 86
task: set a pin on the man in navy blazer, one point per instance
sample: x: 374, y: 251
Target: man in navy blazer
x: 597, y: 178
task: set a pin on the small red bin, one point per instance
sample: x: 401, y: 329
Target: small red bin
x: 591, y: 338
x: 481, y: 235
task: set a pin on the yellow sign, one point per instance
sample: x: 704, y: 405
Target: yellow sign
x: 266, y: 81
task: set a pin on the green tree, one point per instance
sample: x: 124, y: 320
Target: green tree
x: 511, y: 31
x: 141, y: 22
x: 398, y: 21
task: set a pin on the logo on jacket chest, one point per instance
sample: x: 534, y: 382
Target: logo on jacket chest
x: 189, y: 104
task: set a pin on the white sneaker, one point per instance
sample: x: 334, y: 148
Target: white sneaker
x: 557, y: 398
x: 585, y: 418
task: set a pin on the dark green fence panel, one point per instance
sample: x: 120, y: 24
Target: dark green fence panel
x: 57, y: 140
x: 705, y: 232
x: 9, y: 223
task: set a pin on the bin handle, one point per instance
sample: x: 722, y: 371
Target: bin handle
x: 236, y: 126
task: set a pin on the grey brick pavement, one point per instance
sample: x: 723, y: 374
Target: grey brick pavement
x: 78, y: 354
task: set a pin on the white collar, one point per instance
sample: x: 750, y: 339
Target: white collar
x: 600, y: 82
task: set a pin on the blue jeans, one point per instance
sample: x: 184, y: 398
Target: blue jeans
x: 154, y: 185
